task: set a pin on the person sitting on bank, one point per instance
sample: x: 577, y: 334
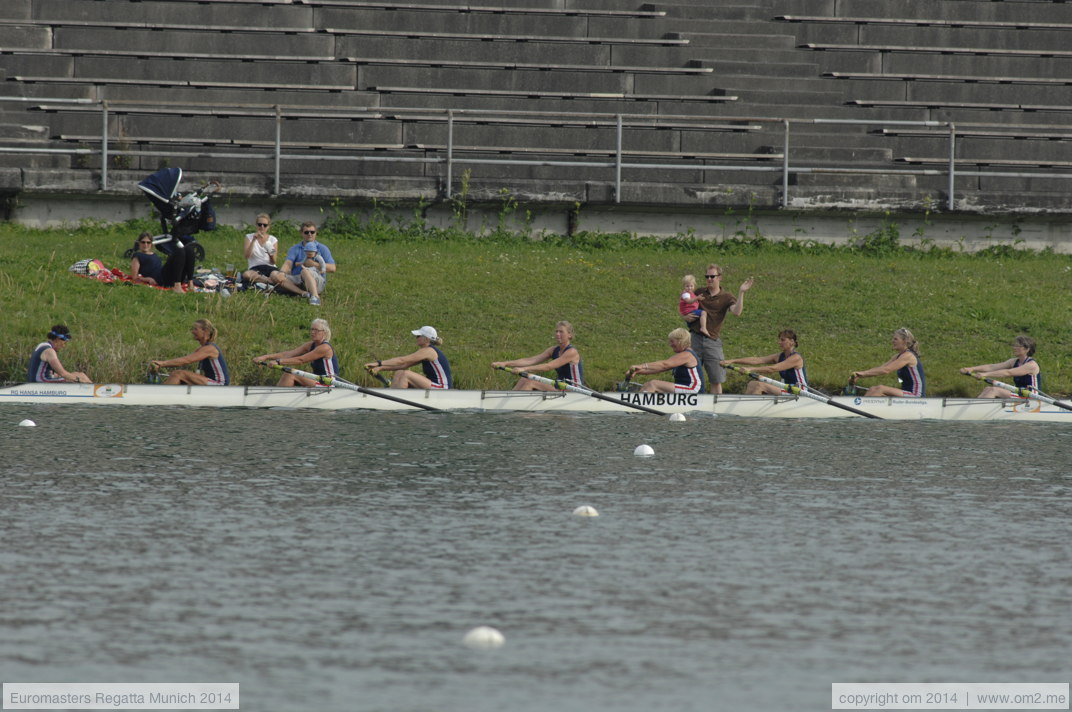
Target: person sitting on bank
x: 434, y: 364
x: 45, y: 366
x: 317, y: 353
x: 562, y: 358
x: 684, y: 365
x: 906, y: 363
x: 212, y: 365
x: 146, y: 266
x: 261, y: 250
x: 787, y: 363
x: 1022, y: 368
x: 301, y: 277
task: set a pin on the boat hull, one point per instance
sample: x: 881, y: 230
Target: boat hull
x: 787, y: 406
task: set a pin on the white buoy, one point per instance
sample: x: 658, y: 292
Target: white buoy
x: 677, y: 417
x: 643, y: 451
x: 484, y: 637
x: 586, y: 511
x: 27, y: 423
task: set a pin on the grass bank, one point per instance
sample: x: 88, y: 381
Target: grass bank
x: 498, y: 296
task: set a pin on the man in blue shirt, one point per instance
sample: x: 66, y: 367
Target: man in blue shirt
x: 307, y: 265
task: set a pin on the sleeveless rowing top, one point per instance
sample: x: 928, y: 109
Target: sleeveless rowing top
x: 795, y: 376
x: 215, y: 369
x: 438, y: 370
x: 326, y: 366
x: 571, y: 372
x: 912, y: 380
x: 1032, y: 381
x: 689, y: 379
x: 39, y: 370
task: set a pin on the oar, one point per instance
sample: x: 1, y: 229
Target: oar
x: 341, y: 383
x: 1022, y: 392
x: 564, y: 386
x: 797, y: 390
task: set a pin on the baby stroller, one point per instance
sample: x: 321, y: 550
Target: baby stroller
x: 182, y: 215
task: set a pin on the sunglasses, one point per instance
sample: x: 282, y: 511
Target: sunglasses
x: 712, y: 276
x: 262, y: 224
x: 308, y: 232
x: 145, y: 242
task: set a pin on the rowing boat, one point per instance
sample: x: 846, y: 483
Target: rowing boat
x: 323, y: 398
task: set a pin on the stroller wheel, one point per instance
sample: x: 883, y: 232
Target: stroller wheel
x: 129, y: 254
x: 199, y: 251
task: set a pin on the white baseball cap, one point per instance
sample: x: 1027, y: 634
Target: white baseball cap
x: 426, y: 331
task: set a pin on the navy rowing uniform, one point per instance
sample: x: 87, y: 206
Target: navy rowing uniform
x: 571, y: 372
x: 795, y: 376
x: 39, y: 370
x: 325, y: 366
x: 215, y: 369
x: 689, y: 379
x: 1032, y: 381
x: 438, y: 370
x: 913, y: 383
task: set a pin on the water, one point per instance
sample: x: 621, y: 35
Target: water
x: 333, y: 561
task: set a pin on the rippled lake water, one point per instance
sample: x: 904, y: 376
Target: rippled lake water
x: 334, y: 561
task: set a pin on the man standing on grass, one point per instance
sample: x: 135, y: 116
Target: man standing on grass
x: 307, y: 275
x: 715, y: 301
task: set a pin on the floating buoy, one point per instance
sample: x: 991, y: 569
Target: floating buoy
x: 27, y: 423
x: 586, y: 511
x: 484, y: 637
x: 677, y: 417
x: 643, y: 451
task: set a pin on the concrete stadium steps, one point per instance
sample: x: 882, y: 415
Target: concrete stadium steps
x: 957, y: 91
x: 522, y: 52
x: 745, y: 11
x: 744, y: 68
x: 266, y: 74
x: 235, y: 44
x: 161, y: 13
x: 1058, y: 11
x: 32, y: 36
x: 915, y: 36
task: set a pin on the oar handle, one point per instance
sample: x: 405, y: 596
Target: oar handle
x: 518, y: 371
x: 379, y: 376
x: 323, y: 380
x: 1020, y: 392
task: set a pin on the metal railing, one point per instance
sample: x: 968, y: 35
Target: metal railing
x: 621, y: 123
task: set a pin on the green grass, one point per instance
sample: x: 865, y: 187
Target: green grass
x: 498, y: 297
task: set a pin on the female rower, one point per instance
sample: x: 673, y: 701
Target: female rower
x: 45, y: 366
x: 906, y: 363
x: 434, y: 364
x: 317, y: 352
x: 685, y: 365
x: 787, y: 363
x: 209, y: 357
x: 1023, y: 369
x: 562, y: 358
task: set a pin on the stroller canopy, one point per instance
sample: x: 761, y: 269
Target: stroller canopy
x: 161, y: 187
